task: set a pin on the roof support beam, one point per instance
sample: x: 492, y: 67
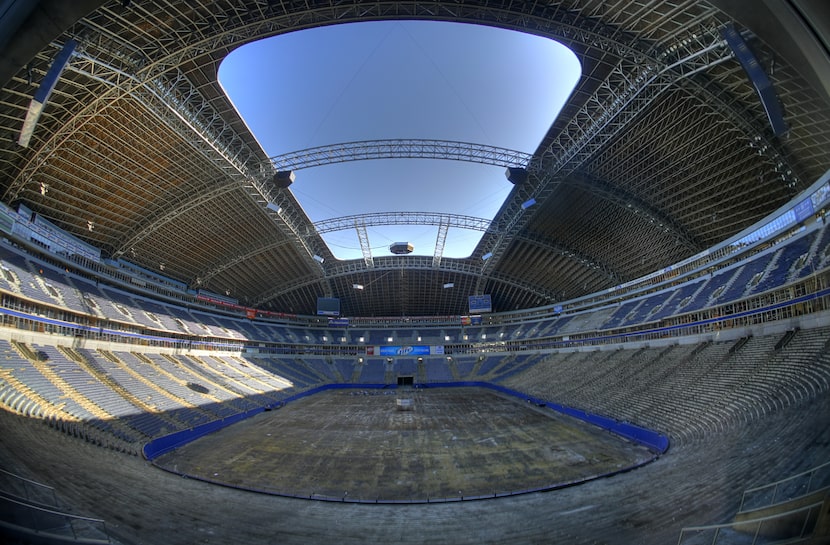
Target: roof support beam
x: 574, y: 255
x: 156, y: 221
x: 363, y: 238
x: 401, y: 149
x: 175, y: 101
x: 244, y: 254
x: 635, y: 205
x: 403, y: 218
x: 630, y: 88
x: 440, y: 241
x: 397, y: 263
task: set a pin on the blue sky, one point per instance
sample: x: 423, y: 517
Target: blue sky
x: 400, y: 79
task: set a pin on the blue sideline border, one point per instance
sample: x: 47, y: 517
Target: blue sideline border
x: 654, y: 441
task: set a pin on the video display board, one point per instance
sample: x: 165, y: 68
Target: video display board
x: 480, y: 303
x: 328, y: 306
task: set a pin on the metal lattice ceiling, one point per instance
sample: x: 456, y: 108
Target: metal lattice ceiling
x: 662, y: 150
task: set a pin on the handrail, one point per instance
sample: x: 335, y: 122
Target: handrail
x: 774, y: 485
x: 69, y: 517
x: 759, y: 521
x: 33, y: 483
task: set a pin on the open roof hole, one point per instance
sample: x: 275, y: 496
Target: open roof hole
x: 400, y: 80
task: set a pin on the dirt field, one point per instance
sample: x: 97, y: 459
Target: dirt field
x: 356, y: 445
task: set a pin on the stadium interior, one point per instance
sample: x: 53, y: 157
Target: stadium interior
x: 659, y: 273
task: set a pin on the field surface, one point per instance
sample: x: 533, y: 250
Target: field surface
x: 356, y: 445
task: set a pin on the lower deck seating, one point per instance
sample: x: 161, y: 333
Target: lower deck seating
x: 685, y: 391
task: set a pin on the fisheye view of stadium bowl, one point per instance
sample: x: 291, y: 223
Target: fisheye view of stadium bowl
x: 469, y: 272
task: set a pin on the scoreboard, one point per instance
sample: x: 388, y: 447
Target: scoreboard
x: 328, y: 306
x: 480, y: 303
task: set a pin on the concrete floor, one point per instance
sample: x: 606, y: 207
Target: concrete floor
x: 454, y: 443
x: 695, y: 484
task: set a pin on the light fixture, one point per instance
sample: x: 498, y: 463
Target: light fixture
x: 283, y: 178
x: 487, y: 256
x: 357, y: 286
x: 317, y: 258
x: 516, y: 175
x: 528, y: 203
x: 449, y: 285
x: 43, y: 92
x: 274, y: 207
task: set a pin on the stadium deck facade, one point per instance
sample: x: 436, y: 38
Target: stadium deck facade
x: 674, y: 275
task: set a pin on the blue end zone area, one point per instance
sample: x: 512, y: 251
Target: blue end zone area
x: 648, y: 438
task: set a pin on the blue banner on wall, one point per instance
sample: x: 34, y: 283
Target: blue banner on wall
x: 803, y: 210
x: 338, y: 322
x: 404, y: 351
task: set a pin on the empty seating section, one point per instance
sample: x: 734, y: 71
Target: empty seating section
x: 324, y: 369
x: 220, y: 373
x: 646, y: 308
x: 820, y: 253
x: 65, y: 402
x: 222, y: 326
x: 185, y: 320
x: 248, y: 372
x: 27, y: 284
x: 687, y: 391
x: 377, y: 337
x: 621, y: 314
x: 291, y: 371
x: 517, y: 365
x: 770, y: 269
x: 373, y: 371
x: 554, y: 326
x: 472, y: 333
x: 14, y: 392
x: 345, y: 367
x: 405, y: 366
x: 19, y: 402
x: 8, y: 281
x: 672, y: 305
x: 86, y: 385
x: 253, y: 331
x: 587, y: 321
x: 274, y: 333
x: 438, y: 370
x: 212, y: 394
x: 738, y: 286
x: 225, y: 387
x: 465, y: 366
x: 151, y: 395
x: 490, y: 363
x: 201, y: 399
x: 700, y: 297
x: 117, y: 305
x: 54, y: 285
x: 779, y: 271
x: 404, y: 336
